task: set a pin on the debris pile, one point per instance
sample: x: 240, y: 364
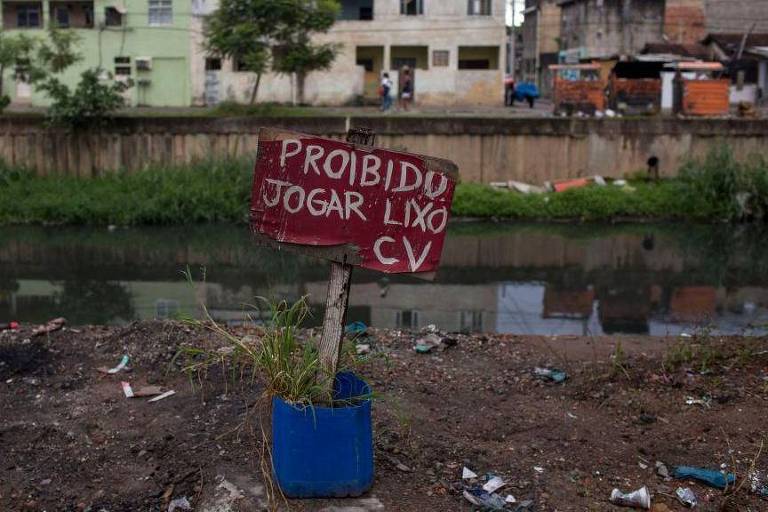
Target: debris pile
x: 484, y: 493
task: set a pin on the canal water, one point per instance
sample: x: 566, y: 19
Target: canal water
x: 512, y: 278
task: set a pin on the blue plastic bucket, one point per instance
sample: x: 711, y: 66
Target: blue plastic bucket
x: 323, y: 452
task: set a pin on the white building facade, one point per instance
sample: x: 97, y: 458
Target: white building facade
x: 456, y: 50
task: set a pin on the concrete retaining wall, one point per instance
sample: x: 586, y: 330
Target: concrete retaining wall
x: 486, y: 149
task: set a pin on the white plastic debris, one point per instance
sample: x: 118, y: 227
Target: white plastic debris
x: 494, y: 483
x: 179, y: 504
x: 120, y: 366
x: 468, y: 474
x: 160, y: 397
x: 686, y: 496
x: 704, y: 402
x: 525, y: 188
x: 127, y: 389
x: 510, y: 499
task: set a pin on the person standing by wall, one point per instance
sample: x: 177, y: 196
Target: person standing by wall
x: 385, y: 92
x: 406, y: 88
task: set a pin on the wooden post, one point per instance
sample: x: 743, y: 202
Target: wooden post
x: 335, y: 316
x: 338, y: 289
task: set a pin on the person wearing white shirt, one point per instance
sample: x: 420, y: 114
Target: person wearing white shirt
x: 384, y: 91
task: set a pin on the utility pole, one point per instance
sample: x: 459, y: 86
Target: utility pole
x: 513, y: 44
x: 744, y: 40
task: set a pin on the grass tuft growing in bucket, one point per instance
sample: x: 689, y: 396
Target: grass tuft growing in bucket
x: 291, y: 368
x: 287, y: 362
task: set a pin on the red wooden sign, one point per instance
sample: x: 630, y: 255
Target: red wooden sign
x: 371, y: 207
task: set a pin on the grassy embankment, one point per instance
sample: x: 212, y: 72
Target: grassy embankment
x: 715, y: 189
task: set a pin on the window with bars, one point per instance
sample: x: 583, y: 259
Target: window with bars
x: 122, y: 66
x: 411, y: 7
x: 440, y: 58
x: 160, y: 12
x: 479, y: 7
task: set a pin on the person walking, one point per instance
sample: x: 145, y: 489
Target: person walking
x: 385, y: 92
x: 406, y: 88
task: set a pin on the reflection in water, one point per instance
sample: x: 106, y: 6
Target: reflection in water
x: 530, y: 279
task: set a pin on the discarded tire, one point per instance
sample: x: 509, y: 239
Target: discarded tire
x: 322, y: 452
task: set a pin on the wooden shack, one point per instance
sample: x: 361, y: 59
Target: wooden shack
x: 634, y: 87
x: 699, y: 89
x: 577, y: 88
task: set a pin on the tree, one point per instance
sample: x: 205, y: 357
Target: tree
x: 89, y: 104
x: 94, y: 97
x: 296, y: 53
x: 260, y: 33
x: 240, y: 30
x: 13, y: 50
x: 56, y: 55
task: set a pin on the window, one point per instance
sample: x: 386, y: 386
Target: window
x: 112, y: 17
x: 478, y: 57
x: 122, y: 66
x: 407, y: 319
x: 474, y: 64
x: 165, y: 308
x: 239, y: 64
x: 355, y: 10
x: 212, y: 64
x: 21, y: 71
x: 62, y: 16
x: 440, y: 57
x: 160, y: 12
x: 28, y: 15
x: 366, y: 63
x: 479, y: 7
x: 411, y: 7
x: 88, y: 15
x: 471, y: 321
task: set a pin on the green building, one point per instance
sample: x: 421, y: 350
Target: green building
x: 145, y: 40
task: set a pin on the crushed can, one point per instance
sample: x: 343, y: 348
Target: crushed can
x: 640, y: 498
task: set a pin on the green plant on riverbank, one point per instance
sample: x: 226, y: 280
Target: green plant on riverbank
x: 215, y: 191
x: 714, y: 189
x: 725, y: 188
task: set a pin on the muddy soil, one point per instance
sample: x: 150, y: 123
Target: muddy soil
x: 70, y: 440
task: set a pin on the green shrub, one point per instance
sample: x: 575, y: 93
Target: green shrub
x: 720, y: 188
x: 215, y: 191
